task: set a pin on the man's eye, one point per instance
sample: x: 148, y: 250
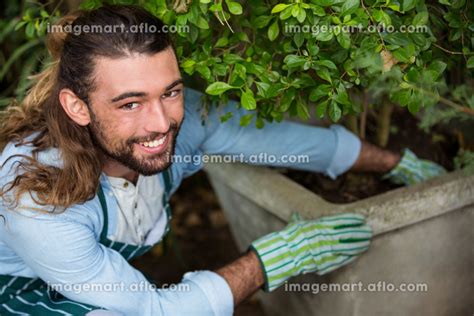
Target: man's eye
x: 171, y: 94
x: 130, y: 106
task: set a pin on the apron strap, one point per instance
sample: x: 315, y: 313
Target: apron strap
x: 103, y: 204
x: 167, y: 176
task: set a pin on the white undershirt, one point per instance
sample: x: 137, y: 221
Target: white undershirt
x: 141, y: 218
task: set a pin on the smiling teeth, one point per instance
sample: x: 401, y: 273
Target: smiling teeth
x: 154, y: 143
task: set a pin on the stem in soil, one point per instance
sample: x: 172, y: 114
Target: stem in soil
x: 383, y: 123
x: 351, y: 122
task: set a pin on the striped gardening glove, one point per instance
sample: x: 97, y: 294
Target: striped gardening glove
x: 411, y: 170
x: 303, y: 246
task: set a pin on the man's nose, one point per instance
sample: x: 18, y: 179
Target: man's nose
x: 157, y: 119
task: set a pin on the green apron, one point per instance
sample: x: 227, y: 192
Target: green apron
x: 32, y: 296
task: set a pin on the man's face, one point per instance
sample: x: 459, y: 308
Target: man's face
x: 137, y: 109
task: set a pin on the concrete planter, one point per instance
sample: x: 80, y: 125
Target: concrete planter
x: 424, y: 234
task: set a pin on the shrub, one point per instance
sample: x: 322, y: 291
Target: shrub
x: 319, y: 58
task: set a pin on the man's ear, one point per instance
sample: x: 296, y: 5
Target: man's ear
x: 74, y: 107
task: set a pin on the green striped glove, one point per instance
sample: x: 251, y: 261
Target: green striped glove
x: 303, y: 246
x: 411, y: 170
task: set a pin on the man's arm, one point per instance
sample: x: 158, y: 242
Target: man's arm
x: 331, y: 151
x: 375, y: 159
x: 244, y: 276
x: 62, y: 249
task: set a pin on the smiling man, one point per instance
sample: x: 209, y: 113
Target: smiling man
x: 136, y: 127
x: 86, y: 175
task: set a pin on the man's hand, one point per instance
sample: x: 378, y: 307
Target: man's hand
x: 411, y: 170
x: 319, y: 246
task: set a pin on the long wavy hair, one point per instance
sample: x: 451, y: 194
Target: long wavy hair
x: 72, y: 67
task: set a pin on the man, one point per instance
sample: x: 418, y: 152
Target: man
x: 86, y: 178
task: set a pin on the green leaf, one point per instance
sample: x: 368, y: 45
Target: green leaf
x: 242, y: 36
x: 324, y: 36
x: 294, y: 61
x: 246, y: 119
x: 202, y: 23
x: 342, y: 97
x: 408, y: 5
x: 204, y: 71
x: 302, y: 110
x: 232, y: 58
x: 324, y: 74
x: 301, y: 16
x: 319, y: 92
x: 273, y: 31
x: 220, y: 69
x: 421, y: 18
x: 262, y: 88
x: 344, y: 40
x: 437, y: 67
x: 287, y: 99
x: 280, y: 7
x: 30, y: 30
x: 394, y: 7
x: 234, y: 7
x: 313, y: 49
x: 218, y: 87
x: 262, y: 21
x: 413, y: 75
x: 413, y: 106
x: 248, y: 101
x: 401, y: 97
x: 317, y: 10
x: 188, y: 63
x: 470, y: 62
x: 325, y: 3
x: 326, y: 63
x: 259, y: 123
x: 349, y: 7
x: 285, y: 14
x: 398, y: 38
x: 240, y: 71
x: 405, y: 54
x: 295, y: 10
x: 298, y: 39
x: 335, y: 112
x: 221, y: 42
x: 20, y: 25
x: 226, y: 117
x: 321, y: 109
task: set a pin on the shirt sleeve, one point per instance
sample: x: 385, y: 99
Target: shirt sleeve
x: 63, y: 250
x: 331, y: 151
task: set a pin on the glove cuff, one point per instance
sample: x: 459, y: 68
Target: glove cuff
x: 400, y: 173
x: 276, y: 260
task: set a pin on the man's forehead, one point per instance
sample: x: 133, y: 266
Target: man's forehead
x: 137, y: 72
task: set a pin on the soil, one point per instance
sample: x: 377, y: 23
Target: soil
x: 202, y: 239
x: 439, y: 146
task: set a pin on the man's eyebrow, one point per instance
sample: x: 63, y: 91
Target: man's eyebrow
x: 143, y: 94
x: 174, y: 84
x: 128, y: 95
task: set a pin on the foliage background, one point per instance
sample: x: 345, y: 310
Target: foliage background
x: 244, y: 50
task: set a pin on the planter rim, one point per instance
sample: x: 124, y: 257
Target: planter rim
x: 385, y: 212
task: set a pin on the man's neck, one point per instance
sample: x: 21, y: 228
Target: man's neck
x: 115, y: 169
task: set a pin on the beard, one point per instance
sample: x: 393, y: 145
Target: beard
x: 123, y: 152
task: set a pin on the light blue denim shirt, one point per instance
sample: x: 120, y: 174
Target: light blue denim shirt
x: 64, y: 248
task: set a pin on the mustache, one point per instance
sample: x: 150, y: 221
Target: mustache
x: 173, y: 128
